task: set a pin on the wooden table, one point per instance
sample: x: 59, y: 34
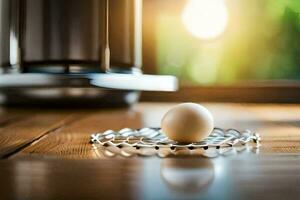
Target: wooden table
x: 45, y: 154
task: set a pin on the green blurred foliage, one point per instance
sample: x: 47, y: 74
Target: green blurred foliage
x: 261, y: 42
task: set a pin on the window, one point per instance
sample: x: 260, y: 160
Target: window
x: 223, y: 42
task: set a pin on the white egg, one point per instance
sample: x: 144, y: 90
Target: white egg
x: 187, y: 123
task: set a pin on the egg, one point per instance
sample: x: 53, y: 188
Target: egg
x: 187, y: 123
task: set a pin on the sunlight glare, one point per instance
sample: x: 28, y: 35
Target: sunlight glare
x: 205, y: 19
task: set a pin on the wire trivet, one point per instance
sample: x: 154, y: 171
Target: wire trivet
x: 149, y: 141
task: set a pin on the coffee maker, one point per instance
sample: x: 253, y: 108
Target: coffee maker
x: 62, y: 52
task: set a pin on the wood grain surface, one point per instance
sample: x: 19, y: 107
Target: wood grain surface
x: 236, y: 177
x: 65, y: 134
x: 45, y: 154
x: 72, y: 141
x: 21, y: 129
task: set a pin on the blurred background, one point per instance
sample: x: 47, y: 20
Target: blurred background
x: 223, y: 42
x: 220, y: 50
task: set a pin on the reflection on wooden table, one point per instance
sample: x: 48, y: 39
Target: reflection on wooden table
x: 246, y: 176
x: 46, y: 155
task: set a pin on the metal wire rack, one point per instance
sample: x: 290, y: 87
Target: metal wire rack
x: 149, y: 141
